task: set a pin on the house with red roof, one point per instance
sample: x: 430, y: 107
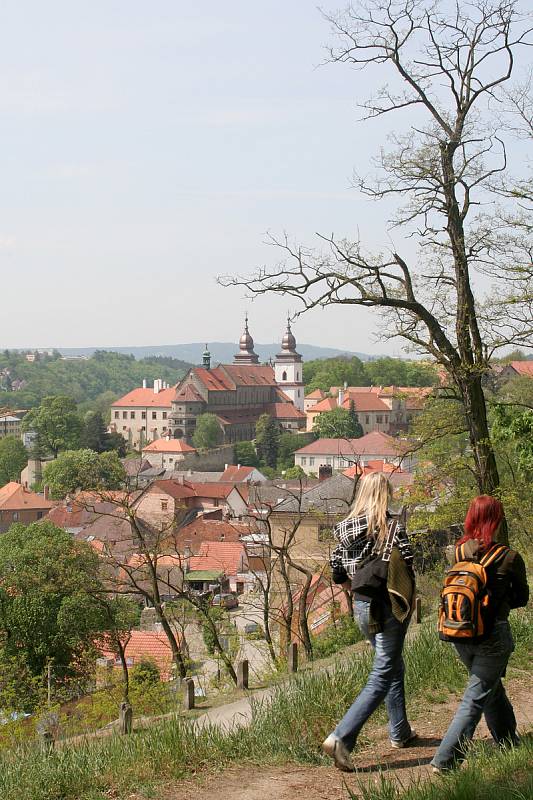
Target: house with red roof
x: 516, y: 369
x: 239, y: 474
x: 340, y: 454
x: 167, y: 453
x: 144, y: 646
x: 387, y: 409
x: 141, y: 415
x: 239, y: 393
x: 229, y: 558
x: 20, y: 504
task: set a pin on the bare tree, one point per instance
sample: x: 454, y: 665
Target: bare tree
x: 447, y: 65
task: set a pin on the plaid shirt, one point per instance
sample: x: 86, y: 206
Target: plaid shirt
x: 355, y: 546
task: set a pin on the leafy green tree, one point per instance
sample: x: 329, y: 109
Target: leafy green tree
x: 13, y: 459
x: 325, y: 373
x: 513, y: 426
x: 42, y: 569
x: 56, y: 423
x: 294, y: 472
x: 288, y: 443
x: 83, y: 469
x: 340, y: 423
x: 388, y: 371
x: 267, y: 439
x: 207, y: 433
x: 94, y: 435
x: 244, y: 453
x: 118, y: 444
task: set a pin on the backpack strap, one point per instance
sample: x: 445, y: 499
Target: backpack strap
x: 496, y: 552
x: 459, y: 553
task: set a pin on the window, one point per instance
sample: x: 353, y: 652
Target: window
x: 379, y: 418
x: 329, y: 461
x: 311, y: 461
x: 298, y: 393
x: 164, y: 427
x: 386, y: 417
x: 143, y: 428
x: 304, y: 461
x: 15, y: 516
x: 124, y: 428
x: 39, y: 515
x: 154, y: 414
x: 124, y: 415
x: 367, y: 420
x: 132, y: 414
x: 283, y: 376
x: 143, y: 414
x: 170, y: 460
x: 164, y: 414
x: 117, y: 414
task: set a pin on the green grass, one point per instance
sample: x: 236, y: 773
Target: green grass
x: 488, y: 773
x: 289, y: 728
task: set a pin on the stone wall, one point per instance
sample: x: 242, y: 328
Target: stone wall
x: 208, y: 460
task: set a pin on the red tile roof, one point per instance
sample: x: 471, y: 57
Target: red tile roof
x: 327, y: 404
x: 146, y: 398
x: 523, y: 367
x: 284, y: 411
x: 208, y: 530
x: 226, y: 556
x: 375, y: 443
x: 176, y: 489
x: 371, y: 466
x: 236, y: 474
x: 364, y: 401
x: 216, y: 489
x: 250, y: 374
x: 150, y: 645
x: 318, y: 394
x: 15, y: 497
x: 188, y: 394
x: 213, y: 379
x: 169, y: 446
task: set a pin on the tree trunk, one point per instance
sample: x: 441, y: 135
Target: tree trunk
x: 302, y: 615
x: 177, y: 658
x: 486, y: 468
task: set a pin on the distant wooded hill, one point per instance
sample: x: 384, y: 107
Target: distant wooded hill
x: 94, y: 382
x: 222, y: 352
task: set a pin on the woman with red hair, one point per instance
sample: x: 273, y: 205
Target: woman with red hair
x: 486, y: 658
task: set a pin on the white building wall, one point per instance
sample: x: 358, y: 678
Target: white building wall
x: 289, y: 377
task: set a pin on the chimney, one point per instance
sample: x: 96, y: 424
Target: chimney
x: 325, y: 471
x: 46, y: 491
x: 157, y: 386
x: 144, y: 383
x: 340, y: 399
x: 225, y: 467
x: 238, y: 466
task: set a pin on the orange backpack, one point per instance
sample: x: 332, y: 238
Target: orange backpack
x: 465, y: 602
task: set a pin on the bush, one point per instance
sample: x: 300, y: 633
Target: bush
x: 344, y: 633
x: 145, y: 674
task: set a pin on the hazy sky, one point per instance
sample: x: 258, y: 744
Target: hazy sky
x: 148, y: 146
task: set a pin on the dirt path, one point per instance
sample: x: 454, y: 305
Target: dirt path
x: 294, y: 781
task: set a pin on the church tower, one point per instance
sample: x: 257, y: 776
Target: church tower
x: 246, y: 353
x: 288, y: 369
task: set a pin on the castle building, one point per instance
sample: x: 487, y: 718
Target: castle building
x: 239, y: 393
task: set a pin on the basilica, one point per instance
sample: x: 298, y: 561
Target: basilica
x: 239, y: 393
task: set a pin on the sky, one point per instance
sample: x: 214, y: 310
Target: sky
x: 147, y: 147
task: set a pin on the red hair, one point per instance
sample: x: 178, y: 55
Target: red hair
x: 482, y: 519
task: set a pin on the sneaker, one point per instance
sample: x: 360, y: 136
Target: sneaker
x: 334, y: 747
x: 404, y: 742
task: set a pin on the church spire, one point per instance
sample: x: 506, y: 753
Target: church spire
x: 246, y: 354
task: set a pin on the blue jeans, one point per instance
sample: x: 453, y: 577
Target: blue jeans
x: 385, y: 681
x: 486, y: 663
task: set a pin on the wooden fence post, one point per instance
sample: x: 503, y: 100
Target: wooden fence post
x: 418, y: 610
x: 242, y: 674
x: 188, y: 694
x: 292, y: 658
x: 125, y: 717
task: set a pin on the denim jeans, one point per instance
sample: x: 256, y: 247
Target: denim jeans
x: 486, y: 663
x: 385, y: 681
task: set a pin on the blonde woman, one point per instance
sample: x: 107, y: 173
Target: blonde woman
x: 370, y: 540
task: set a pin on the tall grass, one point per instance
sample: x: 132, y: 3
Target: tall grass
x: 287, y: 728
x: 489, y: 773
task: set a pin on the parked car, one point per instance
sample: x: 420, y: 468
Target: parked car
x: 226, y: 600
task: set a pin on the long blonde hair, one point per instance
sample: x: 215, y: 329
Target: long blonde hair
x: 374, y: 494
